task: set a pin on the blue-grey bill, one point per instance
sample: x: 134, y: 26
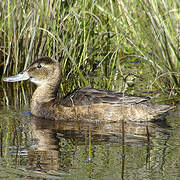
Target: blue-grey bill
x: 22, y: 76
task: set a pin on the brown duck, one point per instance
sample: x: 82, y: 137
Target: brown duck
x: 86, y: 104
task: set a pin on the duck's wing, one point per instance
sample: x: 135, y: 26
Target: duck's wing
x: 88, y: 96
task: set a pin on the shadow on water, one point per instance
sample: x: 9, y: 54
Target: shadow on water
x: 34, y: 148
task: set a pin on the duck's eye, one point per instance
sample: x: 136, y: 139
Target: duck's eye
x: 38, y: 66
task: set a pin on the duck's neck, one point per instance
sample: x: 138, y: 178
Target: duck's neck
x: 43, y: 95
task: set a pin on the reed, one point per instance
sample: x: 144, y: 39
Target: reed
x: 99, y: 43
x: 154, y: 27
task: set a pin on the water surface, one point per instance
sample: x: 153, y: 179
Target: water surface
x: 34, y: 148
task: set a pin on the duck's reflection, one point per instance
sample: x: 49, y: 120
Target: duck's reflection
x: 51, y: 136
x: 44, y: 154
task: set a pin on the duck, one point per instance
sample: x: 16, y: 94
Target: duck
x: 84, y: 104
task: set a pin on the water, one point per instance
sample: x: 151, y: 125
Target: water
x: 34, y: 148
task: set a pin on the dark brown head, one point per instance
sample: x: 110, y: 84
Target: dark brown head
x: 43, y: 71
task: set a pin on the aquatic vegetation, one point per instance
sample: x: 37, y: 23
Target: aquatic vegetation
x: 122, y: 45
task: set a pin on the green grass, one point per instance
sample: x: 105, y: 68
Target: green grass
x: 122, y: 45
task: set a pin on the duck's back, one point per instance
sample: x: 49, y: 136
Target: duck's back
x: 89, y: 96
x: 94, y: 104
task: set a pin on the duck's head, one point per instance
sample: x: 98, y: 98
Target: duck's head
x: 44, y: 71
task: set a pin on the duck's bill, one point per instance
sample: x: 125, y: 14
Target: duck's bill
x: 22, y: 76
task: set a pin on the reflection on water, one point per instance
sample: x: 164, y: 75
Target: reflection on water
x: 33, y: 148
x: 52, y: 135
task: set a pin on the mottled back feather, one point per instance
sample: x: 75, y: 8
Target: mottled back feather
x: 89, y: 96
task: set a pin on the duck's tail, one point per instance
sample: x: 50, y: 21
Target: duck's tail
x: 165, y: 108
x: 162, y: 111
